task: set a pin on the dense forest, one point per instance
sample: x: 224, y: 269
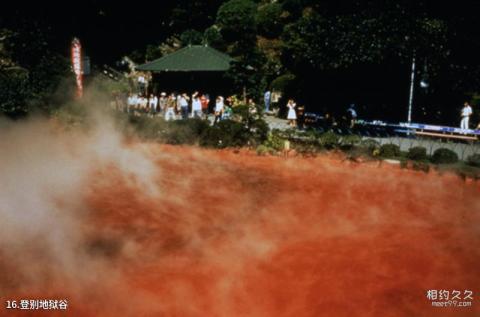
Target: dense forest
x: 325, y: 54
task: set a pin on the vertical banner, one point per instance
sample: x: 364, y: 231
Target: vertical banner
x: 77, y: 65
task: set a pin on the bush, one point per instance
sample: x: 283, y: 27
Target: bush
x: 421, y: 166
x: 148, y: 128
x: 417, y: 153
x: 258, y: 131
x: 474, y: 160
x: 348, y: 142
x: 226, y: 133
x: 389, y: 150
x: 306, y: 149
x: 275, y: 142
x: 184, y: 131
x: 369, y: 147
x: 264, y: 150
x: 329, y: 140
x: 444, y: 156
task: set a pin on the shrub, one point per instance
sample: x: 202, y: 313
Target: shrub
x: 264, y: 150
x: 351, y: 139
x: 184, y: 131
x: 369, y: 147
x: 226, y: 133
x: 348, y: 142
x: 148, y: 128
x: 421, y: 166
x: 390, y: 150
x: 417, y: 153
x: 312, y: 134
x: 275, y: 142
x: 444, y: 156
x: 474, y: 160
x: 329, y: 140
x: 305, y: 149
x: 253, y: 122
x: 259, y: 131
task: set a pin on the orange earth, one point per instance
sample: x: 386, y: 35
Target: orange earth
x: 229, y: 233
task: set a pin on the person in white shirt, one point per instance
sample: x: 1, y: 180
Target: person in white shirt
x: 152, y: 103
x: 184, y: 106
x: 218, y: 109
x: 141, y: 83
x: 196, y: 106
x: 170, y: 111
x: 132, y: 102
x: 144, y: 104
x: 267, y: 98
x: 465, y: 114
x: 179, y: 105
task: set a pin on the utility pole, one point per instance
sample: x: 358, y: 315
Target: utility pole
x: 412, y: 84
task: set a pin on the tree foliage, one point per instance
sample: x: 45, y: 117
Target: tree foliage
x: 191, y: 37
x: 29, y: 72
x: 269, y: 20
x: 236, y: 19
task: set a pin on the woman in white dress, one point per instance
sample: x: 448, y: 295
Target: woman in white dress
x: 219, y: 108
x: 292, y: 114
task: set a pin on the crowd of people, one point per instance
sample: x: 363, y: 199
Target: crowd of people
x: 175, y: 106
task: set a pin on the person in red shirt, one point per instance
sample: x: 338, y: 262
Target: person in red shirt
x: 205, y: 100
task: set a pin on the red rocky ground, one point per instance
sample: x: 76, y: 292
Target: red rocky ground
x: 234, y: 234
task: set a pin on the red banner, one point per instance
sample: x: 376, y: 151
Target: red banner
x: 77, y: 65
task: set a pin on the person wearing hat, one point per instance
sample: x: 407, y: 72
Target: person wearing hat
x: 162, y: 103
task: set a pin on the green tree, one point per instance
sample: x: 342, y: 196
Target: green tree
x: 369, y: 36
x: 213, y: 38
x: 237, y: 23
x: 269, y: 20
x: 191, y: 37
x: 153, y: 52
x: 30, y: 72
x: 236, y: 20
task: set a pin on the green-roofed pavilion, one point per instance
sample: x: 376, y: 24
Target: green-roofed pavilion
x: 192, y: 58
x: 191, y: 68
